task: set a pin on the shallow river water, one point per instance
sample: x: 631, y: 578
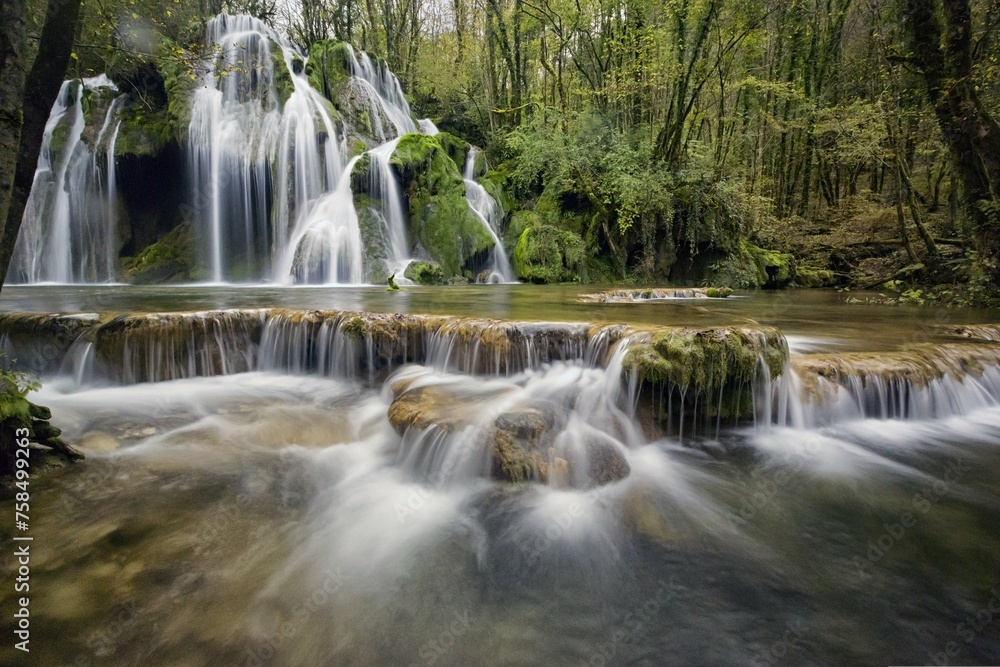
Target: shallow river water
x: 269, y: 518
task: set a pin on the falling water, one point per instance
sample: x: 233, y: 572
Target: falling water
x: 487, y: 210
x: 238, y: 129
x: 69, y: 231
x: 381, y: 89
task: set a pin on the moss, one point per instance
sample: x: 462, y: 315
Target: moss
x: 353, y: 328
x: 143, y: 132
x: 180, y: 82
x: 456, y: 148
x: 283, y: 84
x: 717, y: 364
x: 20, y: 418
x: 170, y: 259
x: 439, y: 214
x: 718, y: 292
x: 810, y: 277
x: 495, y: 182
x: 425, y: 273
x: 547, y: 254
x: 751, y: 267
x: 329, y: 67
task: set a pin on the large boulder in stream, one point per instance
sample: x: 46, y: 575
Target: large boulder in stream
x: 439, y: 214
x: 521, y: 441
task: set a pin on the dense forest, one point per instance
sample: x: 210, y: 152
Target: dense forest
x: 751, y: 143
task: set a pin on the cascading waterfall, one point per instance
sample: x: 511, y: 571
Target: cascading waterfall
x: 70, y: 230
x: 383, y: 184
x: 487, y: 210
x: 381, y: 89
x: 238, y: 129
x: 269, y: 181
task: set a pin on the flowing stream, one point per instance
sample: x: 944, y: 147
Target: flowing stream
x: 249, y: 496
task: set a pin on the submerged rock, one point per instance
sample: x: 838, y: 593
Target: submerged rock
x: 656, y: 294
x: 521, y: 441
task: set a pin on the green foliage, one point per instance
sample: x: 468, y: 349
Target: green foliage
x: 547, y: 254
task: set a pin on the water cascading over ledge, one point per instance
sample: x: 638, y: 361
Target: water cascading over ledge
x: 69, y: 233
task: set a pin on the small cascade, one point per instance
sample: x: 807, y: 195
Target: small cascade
x: 561, y: 423
x: 69, y: 233
x: 488, y: 211
x: 384, y: 186
x: 428, y: 127
x: 923, y: 382
x: 380, y: 91
x: 239, y: 128
x: 157, y: 347
x: 325, y: 246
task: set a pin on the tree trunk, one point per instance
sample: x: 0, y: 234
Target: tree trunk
x: 972, y: 135
x: 11, y: 86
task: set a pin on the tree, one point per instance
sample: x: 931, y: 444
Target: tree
x: 940, y: 37
x: 39, y: 92
x: 11, y: 89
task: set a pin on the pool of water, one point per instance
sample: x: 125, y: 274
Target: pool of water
x: 276, y: 519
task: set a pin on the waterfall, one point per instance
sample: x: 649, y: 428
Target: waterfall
x: 238, y: 129
x: 488, y: 211
x: 384, y: 186
x: 326, y: 245
x: 69, y: 231
x: 380, y: 88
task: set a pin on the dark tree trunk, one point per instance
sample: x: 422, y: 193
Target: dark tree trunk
x: 943, y: 50
x: 11, y: 84
x: 40, y: 91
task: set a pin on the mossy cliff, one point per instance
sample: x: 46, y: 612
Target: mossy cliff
x: 440, y: 219
x: 168, y: 260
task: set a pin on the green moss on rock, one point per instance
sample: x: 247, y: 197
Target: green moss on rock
x: 547, y: 254
x: 373, y: 237
x: 329, y: 67
x: 456, y: 148
x: 425, y: 273
x: 170, y: 259
x: 715, y: 368
x: 439, y: 214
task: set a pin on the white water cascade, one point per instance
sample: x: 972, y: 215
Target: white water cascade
x: 487, y: 210
x: 239, y: 128
x: 268, y: 174
x: 70, y: 229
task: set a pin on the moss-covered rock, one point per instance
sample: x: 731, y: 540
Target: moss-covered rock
x: 424, y: 273
x: 23, y: 422
x: 547, y: 254
x: 714, y: 369
x: 752, y: 267
x: 329, y: 67
x: 810, y: 277
x: 170, y: 259
x: 373, y: 237
x: 283, y: 84
x: 456, y: 148
x: 439, y: 214
x: 718, y: 292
